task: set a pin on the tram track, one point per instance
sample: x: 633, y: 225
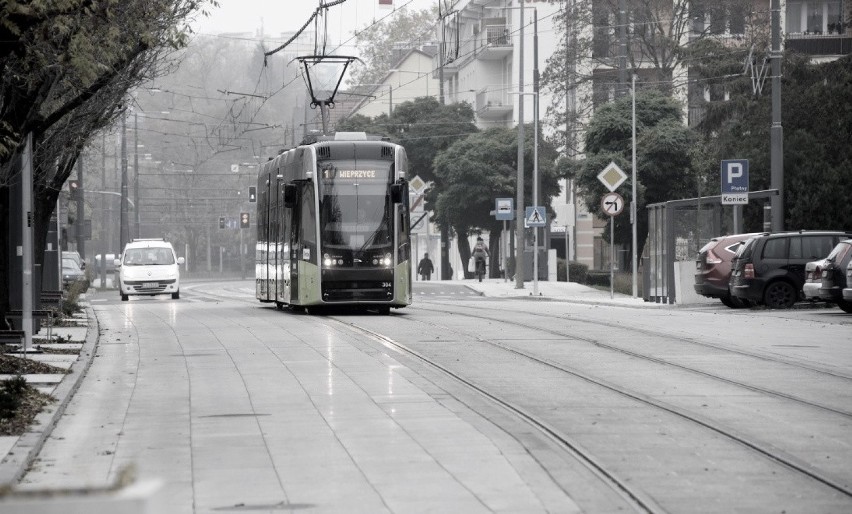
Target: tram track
x: 773, y: 454
x: 629, y: 494
x: 665, y: 362
x: 641, y: 501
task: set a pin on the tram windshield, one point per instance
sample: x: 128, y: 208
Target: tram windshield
x: 354, y: 205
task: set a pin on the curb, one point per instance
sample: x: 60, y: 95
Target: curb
x: 15, y: 464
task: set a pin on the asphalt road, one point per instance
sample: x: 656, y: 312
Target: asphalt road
x: 461, y: 402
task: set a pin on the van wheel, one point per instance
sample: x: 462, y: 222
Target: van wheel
x: 779, y: 295
x: 845, y: 306
x: 176, y: 295
x: 124, y: 298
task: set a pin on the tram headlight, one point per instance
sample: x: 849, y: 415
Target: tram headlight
x: 375, y: 262
x: 326, y: 259
x: 387, y: 260
x: 327, y: 262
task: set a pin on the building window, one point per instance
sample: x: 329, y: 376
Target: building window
x: 814, y: 17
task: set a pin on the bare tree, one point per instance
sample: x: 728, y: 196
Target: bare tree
x: 653, y: 38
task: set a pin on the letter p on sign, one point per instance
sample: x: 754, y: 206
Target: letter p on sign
x: 735, y: 170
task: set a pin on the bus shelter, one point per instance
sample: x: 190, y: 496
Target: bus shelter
x: 677, y: 230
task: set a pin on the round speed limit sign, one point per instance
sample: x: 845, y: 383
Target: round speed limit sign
x: 612, y: 204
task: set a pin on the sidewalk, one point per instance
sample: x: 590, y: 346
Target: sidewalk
x: 18, y: 452
x: 553, y: 291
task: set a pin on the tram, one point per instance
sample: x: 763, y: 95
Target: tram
x: 333, y: 225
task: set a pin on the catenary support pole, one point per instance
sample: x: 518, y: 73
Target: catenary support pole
x: 123, y: 229
x: 535, y: 147
x: 27, y: 242
x: 520, y: 240
x: 633, y: 222
x: 777, y: 132
x: 136, y: 175
x: 80, y: 224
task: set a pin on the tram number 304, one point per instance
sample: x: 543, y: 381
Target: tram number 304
x: 386, y: 284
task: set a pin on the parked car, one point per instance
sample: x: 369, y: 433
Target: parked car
x: 109, y: 262
x: 76, y: 256
x: 834, y: 278
x: 847, y: 291
x: 713, y: 268
x: 71, y: 272
x: 149, y: 267
x: 813, y: 280
x: 770, y: 269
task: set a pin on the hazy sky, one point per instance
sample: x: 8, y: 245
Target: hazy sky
x: 277, y: 16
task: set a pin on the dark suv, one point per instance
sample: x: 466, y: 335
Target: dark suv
x: 834, y: 278
x: 713, y: 268
x: 770, y: 269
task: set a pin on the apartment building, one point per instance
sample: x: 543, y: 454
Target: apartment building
x: 480, y: 65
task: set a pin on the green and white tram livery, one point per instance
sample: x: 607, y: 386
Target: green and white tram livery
x: 333, y: 225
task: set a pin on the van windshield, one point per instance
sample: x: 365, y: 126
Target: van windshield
x: 148, y: 257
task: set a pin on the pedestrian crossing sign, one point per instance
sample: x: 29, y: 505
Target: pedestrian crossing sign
x: 535, y: 217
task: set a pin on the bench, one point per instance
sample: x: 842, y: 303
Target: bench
x: 38, y: 315
x: 51, y: 299
x: 14, y: 337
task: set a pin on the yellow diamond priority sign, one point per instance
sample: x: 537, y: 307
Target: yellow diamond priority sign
x: 612, y: 176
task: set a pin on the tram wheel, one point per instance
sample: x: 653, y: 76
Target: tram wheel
x: 279, y: 305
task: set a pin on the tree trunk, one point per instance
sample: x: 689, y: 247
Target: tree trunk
x: 494, y: 254
x: 464, y: 250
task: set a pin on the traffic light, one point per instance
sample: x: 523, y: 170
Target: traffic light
x: 221, y: 222
x: 74, y: 188
x: 244, y: 220
x: 252, y: 194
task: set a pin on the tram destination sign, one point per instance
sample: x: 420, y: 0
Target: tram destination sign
x: 353, y: 175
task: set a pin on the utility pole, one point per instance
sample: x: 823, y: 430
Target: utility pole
x: 570, y: 117
x: 445, y: 230
x: 81, y: 210
x: 123, y: 228
x: 27, y: 243
x: 136, y: 174
x: 622, y: 48
x: 536, y: 187
x: 777, y: 132
x: 520, y: 242
x: 103, y: 237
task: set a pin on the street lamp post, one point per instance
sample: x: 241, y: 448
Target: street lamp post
x: 520, y: 210
x: 123, y: 226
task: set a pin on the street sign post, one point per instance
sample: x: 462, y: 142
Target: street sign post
x: 612, y: 204
x: 735, y: 182
x: 612, y: 176
x: 535, y: 217
x: 504, y: 209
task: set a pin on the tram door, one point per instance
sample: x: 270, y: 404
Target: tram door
x: 303, y: 243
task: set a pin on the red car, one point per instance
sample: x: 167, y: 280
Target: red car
x: 713, y: 268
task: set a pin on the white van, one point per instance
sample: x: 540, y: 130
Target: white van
x: 148, y: 267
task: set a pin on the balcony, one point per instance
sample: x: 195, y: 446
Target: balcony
x: 819, y: 44
x: 451, y: 69
x: 495, y: 42
x: 494, y: 102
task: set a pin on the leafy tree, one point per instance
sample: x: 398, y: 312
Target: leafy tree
x: 423, y: 126
x: 666, y: 158
x: 479, y: 168
x: 816, y: 117
x: 377, y: 42
x: 66, y: 69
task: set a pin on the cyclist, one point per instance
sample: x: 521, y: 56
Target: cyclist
x: 480, y: 256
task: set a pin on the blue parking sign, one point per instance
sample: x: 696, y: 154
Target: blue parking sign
x: 734, y: 181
